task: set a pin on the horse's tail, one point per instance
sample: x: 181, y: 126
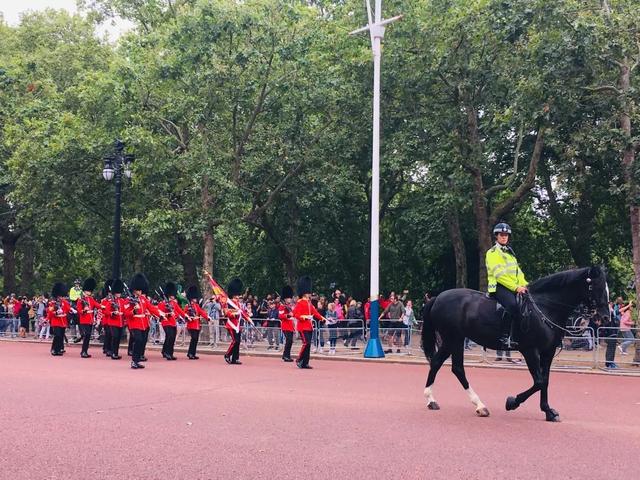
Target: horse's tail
x: 428, y: 331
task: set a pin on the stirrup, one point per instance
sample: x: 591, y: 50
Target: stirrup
x: 508, y: 343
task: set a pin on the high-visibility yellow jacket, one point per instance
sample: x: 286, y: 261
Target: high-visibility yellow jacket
x: 502, y: 268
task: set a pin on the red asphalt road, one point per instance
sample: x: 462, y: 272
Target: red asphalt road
x: 71, y: 418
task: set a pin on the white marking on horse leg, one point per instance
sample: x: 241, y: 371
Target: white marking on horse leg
x: 475, y: 399
x: 428, y: 394
x: 481, y: 408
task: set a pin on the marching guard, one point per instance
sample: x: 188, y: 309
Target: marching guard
x: 107, y: 320
x: 141, y: 309
x: 305, y: 312
x: 285, y: 314
x: 194, y: 314
x: 87, y: 306
x: 234, y: 290
x: 57, y: 312
x: 172, y: 310
x: 114, y: 309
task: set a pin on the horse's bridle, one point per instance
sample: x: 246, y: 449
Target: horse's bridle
x: 591, y: 304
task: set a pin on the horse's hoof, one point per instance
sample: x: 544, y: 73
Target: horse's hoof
x: 433, y: 406
x: 511, y: 404
x: 552, y: 416
x: 482, y: 412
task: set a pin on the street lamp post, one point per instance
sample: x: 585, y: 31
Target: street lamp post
x: 375, y: 27
x: 115, y: 165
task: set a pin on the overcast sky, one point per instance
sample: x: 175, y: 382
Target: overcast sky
x: 11, y: 10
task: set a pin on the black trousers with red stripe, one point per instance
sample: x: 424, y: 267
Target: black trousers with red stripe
x: 193, y: 344
x: 85, y: 331
x: 288, y: 341
x: 57, y: 344
x: 305, y: 351
x: 107, y: 340
x: 169, y: 340
x: 138, y: 344
x: 116, y: 335
x: 234, y: 347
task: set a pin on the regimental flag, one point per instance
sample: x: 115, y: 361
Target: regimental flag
x: 224, y: 298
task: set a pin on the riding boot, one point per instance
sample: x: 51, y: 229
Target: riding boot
x: 505, y: 334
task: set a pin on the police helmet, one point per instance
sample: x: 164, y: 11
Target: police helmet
x: 502, y: 228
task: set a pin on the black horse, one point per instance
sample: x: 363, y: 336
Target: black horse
x: 459, y: 313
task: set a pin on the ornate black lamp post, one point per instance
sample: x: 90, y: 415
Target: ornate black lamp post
x: 114, y: 166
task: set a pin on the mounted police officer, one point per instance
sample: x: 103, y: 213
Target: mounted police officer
x: 505, y: 280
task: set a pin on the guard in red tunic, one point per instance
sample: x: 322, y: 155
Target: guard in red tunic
x: 234, y: 319
x: 305, y: 312
x: 105, y: 323
x: 285, y: 314
x: 87, y: 307
x: 114, y: 311
x: 142, y: 309
x: 195, y: 314
x: 57, y: 311
x: 172, y: 310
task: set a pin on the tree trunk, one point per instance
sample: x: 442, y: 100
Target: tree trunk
x: 9, y: 262
x: 28, y: 259
x: 459, y: 249
x: 188, y: 262
x: 479, y: 197
x: 628, y: 160
x: 207, y: 262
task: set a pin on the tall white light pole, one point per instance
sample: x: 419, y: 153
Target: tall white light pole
x: 376, y: 31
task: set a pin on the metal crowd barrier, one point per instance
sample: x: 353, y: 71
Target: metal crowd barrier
x: 614, y: 346
x: 9, y: 325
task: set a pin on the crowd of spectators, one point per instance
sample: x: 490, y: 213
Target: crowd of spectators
x: 347, y: 321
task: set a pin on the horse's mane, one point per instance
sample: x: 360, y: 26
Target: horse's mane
x: 557, y: 280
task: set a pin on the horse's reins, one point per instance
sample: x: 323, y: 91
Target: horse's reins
x: 553, y: 324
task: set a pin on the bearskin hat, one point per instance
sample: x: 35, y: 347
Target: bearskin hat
x: 287, y: 292
x: 235, y: 287
x: 193, y: 293
x: 170, y: 289
x: 107, y: 288
x: 305, y: 285
x: 89, y: 285
x: 59, y: 290
x: 140, y: 282
x: 117, y: 286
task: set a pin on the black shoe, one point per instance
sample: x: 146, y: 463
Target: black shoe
x: 307, y: 367
x: 56, y: 354
x: 287, y: 359
x: 227, y: 359
x: 191, y: 357
x: 171, y: 357
x: 195, y: 357
x: 135, y: 365
x: 389, y: 350
x: 129, y: 353
x: 166, y: 356
x: 77, y: 340
x: 85, y: 355
x: 299, y: 365
x: 142, y: 359
x: 236, y: 362
x: 115, y: 357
